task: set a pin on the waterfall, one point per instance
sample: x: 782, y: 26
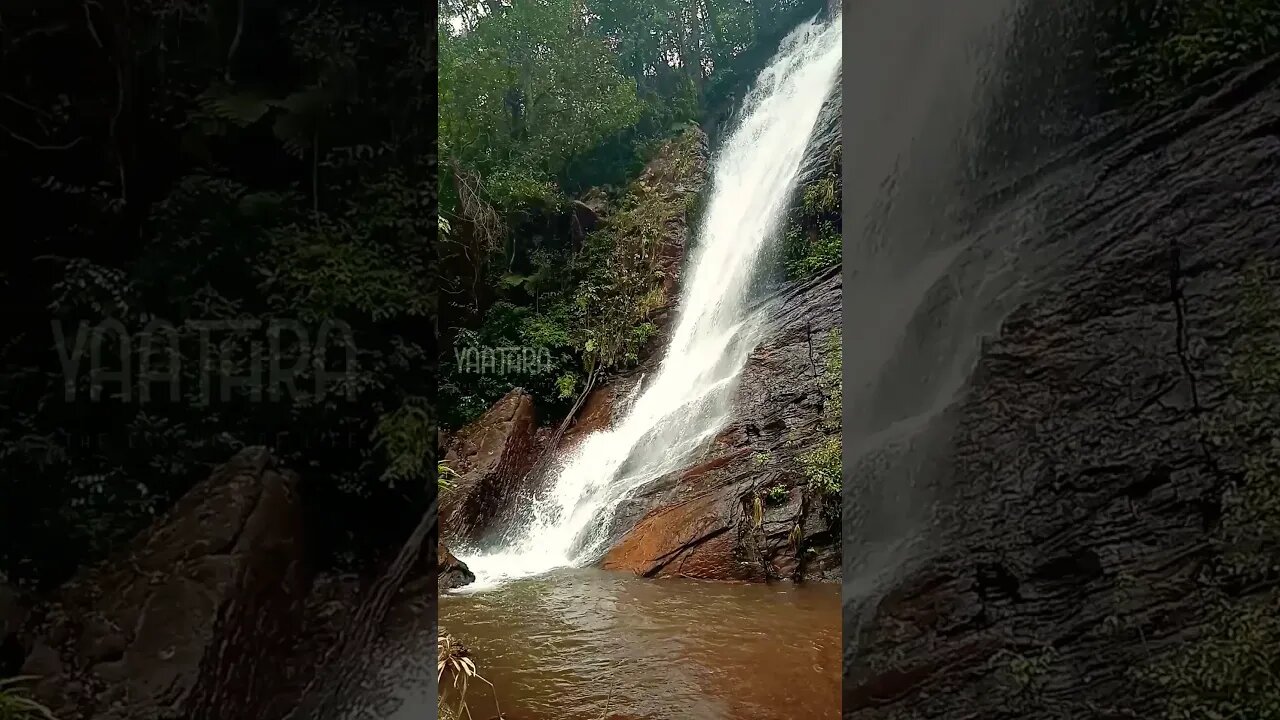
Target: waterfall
x: 689, y: 399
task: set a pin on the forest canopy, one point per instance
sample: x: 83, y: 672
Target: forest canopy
x: 185, y: 170
x: 541, y: 101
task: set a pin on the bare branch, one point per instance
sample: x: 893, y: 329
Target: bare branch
x: 40, y: 146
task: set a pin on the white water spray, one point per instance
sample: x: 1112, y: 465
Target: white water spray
x: 688, y: 401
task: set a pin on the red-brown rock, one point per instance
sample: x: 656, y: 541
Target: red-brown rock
x: 492, y: 458
x: 186, y: 622
x: 700, y: 523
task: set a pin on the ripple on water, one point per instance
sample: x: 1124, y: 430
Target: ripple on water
x: 576, y: 644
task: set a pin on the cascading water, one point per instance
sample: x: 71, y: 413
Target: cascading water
x: 689, y: 399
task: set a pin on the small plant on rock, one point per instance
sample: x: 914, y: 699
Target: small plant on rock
x: 453, y: 659
x: 777, y: 495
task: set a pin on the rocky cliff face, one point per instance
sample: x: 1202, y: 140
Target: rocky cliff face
x: 1074, y: 489
x: 702, y: 522
x: 192, y: 619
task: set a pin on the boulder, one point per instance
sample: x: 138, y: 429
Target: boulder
x: 451, y: 572
x: 188, y: 621
x: 585, y: 216
x: 492, y: 458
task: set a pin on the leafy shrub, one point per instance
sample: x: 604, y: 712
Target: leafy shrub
x: 15, y: 705
x: 1231, y: 670
x: 1149, y: 49
x: 831, y: 377
x: 814, y: 252
x: 822, y: 466
x: 777, y: 495
x: 812, y: 240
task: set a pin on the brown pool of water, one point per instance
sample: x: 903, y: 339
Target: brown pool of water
x: 591, y: 644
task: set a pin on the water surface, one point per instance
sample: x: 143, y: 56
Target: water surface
x: 585, y: 644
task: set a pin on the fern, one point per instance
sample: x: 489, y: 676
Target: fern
x: 406, y: 437
x: 15, y: 705
x: 241, y: 109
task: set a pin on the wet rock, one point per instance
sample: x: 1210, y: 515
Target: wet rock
x: 492, y: 458
x: 700, y: 523
x: 186, y: 622
x: 452, y: 572
x: 1075, y: 489
x: 599, y: 410
x: 692, y: 538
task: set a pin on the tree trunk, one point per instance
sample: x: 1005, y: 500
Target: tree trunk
x: 347, y: 660
x: 550, y: 450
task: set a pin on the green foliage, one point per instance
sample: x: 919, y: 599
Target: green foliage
x: 15, y: 705
x: 567, y: 386
x: 407, y: 436
x: 287, y: 183
x: 812, y: 240
x: 1250, y: 424
x: 444, y: 477
x: 777, y: 495
x: 622, y: 287
x: 1233, y: 669
x: 831, y: 377
x: 823, y: 196
x: 822, y: 466
x: 1151, y: 49
x: 1026, y: 672
x: 807, y: 255
x: 524, y: 92
x: 364, y: 259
